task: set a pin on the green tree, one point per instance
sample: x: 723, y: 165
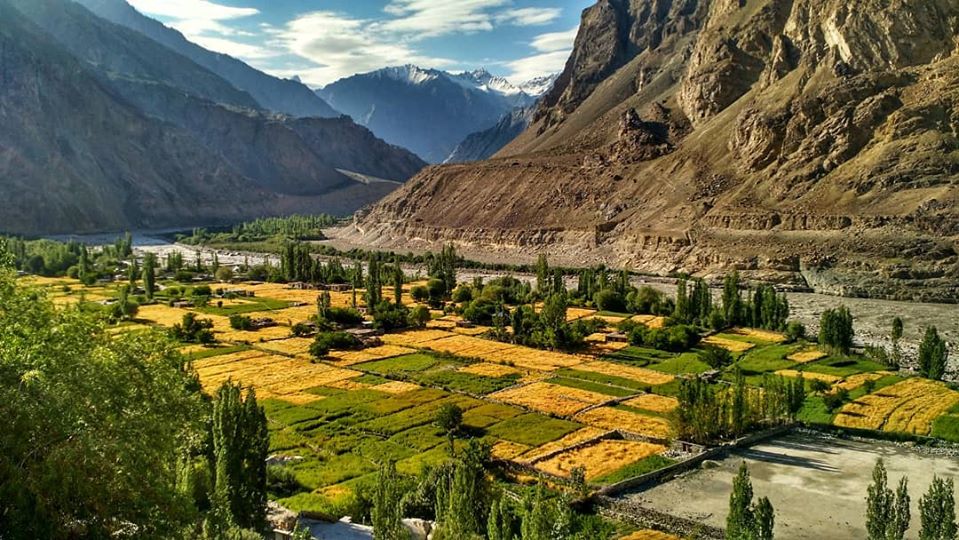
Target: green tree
x: 398, y: 280
x: 72, y: 470
x: 732, y: 300
x: 836, y: 331
x: 887, y: 512
x: 933, y: 355
x: 499, y: 526
x: 897, y: 329
x: 240, y: 446
x: 387, y: 510
x: 748, y: 521
x: 937, y: 511
x: 449, y: 418
x: 149, y: 275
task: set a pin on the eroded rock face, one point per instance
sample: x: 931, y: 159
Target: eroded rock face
x: 820, y: 132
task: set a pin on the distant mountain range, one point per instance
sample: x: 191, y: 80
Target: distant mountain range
x: 105, y: 128
x: 281, y: 95
x: 484, y: 144
x: 427, y: 110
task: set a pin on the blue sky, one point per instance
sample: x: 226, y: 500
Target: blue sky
x: 321, y: 41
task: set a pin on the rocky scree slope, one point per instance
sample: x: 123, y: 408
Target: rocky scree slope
x: 802, y: 141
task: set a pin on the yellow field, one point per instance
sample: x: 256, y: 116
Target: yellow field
x: 619, y: 420
x: 475, y: 331
x: 907, y: 407
x: 415, y: 338
x: 809, y: 355
x: 225, y: 333
x: 225, y: 359
x: 574, y: 313
x: 41, y: 281
x: 535, y: 359
x: 507, y: 450
x: 396, y: 387
x: 809, y: 375
x: 653, y: 402
x: 550, y: 398
x: 599, y: 459
x: 764, y: 335
x: 855, y: 381
x: 730, y: 345
x: 650, y: 321
x: 289, y: 316
x: 271, y: 375
x: 164, y: 315
x: 466, y: 346
x: 349, y: 358
x: 485, y: 369
x: 279, y: 291
x: 572, y: 439
x: 289, y: 347
x: 643, y: 375
x: 649, y: 534
x: 442, y: 324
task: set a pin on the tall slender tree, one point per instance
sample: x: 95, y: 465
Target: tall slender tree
x: 933, y: 355
x: 937, y: 511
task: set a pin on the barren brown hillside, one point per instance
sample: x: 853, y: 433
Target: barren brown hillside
x: 798, y: 140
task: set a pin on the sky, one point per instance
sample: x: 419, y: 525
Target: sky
x: 321, y: 41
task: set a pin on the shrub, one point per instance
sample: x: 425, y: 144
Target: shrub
x: 343, y: 315
x: 241, y: 322
x: 481, y: 311
x: 716, y: 357
x: 419, y: 316
x: 390, y: 317
x: 327, y: 341
x: 463, y: 293
x: 609, y: 300
x: 419, y: 293
x: 795, y: 331
x: 281, y: 482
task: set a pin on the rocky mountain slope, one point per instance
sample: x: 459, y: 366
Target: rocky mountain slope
x: 279, y: 95
x: 803, y: 141
x: 425, y: 110
x: 484, y: 144
x: 105, y: 129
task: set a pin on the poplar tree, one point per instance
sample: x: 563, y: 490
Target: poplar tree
x: 937, y: 511
x: 887, y: 513
x: 732, y: 301
x: 387, y: 510
x: 499, y: 526
x: 240, y: 447
x: 748, y: 521
x: 933, y: 355
x: 398, y: 283
x: 149, y: 275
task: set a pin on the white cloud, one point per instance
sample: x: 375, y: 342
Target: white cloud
x: 420, y: 19
x: 529, y: 16
x: 339, y: 46
x: 555, y: 41
x: 553, y: 49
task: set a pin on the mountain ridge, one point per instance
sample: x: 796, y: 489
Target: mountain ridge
x: 808, y: 143
x: 428, y: 111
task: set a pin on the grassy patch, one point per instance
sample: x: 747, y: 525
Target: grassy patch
x: 592, y: 387
x: 879, y: 384
x: 251, y: 306
x: 609, y: 380
x: 488, y: 414
x: 401, y: 365
x: 643, y: 466
x: 467, y: 382
x: 421, y: 438
x: 687, y: 362
x: 532, y: 429
x: 814, y: 411
x: 946, y: 427
x: 843, y: 367
x: 640, y: 356
x: 415, y: 416
x: 767, y: 359
x: 216, y: 351
x: 314, y: 473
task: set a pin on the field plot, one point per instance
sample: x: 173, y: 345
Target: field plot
x: 641, y: 375
x: 731, y: 345
x: 271, y: 375
x: 575, y: 313
x: 290, y: 347
x: 650, y: 321
x: 652, y: 402
x: 465, y: 346
x: 807, y: 355
x: 507, y: 450
x: 487, y: 369
x: 630, y: 422
x: 550, y: 398
x: 579, y: 436
x: 757, y: 334
x: 600, y: 458
x: 415, y: 338
x: 910, y: 406
x: 809, y: 375
x: 649, y: 534
x: 396, y: 387
x: 349, y: 358
x: 165, y: 315
x: 855, y: 381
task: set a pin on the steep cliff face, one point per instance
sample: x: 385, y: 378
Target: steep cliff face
x: 793, y: 139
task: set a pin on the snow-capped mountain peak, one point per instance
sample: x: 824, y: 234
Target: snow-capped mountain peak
x: 485, y: 81
x: 540, y: 85
x: 409, y: 73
